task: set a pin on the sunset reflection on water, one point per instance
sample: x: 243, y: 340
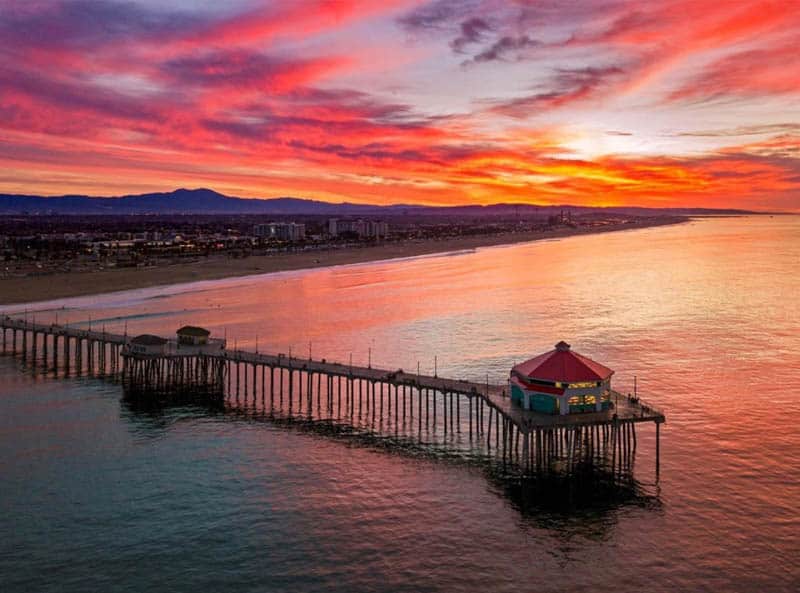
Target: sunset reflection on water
x: 705, y: 315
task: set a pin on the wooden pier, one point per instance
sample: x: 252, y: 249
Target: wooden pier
x: 428, y: 409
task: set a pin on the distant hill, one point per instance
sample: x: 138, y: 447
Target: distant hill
x: 206, y: 201
x: 180, y: 201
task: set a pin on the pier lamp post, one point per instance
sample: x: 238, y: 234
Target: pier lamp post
x: 309, y: 350
x: 369, y: 353
x: 256, y: 343
x: 351, y: 362
x: 435, y: 366
x: 290, y: 352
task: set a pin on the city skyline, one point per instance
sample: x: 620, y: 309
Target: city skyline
x: 599, y: 103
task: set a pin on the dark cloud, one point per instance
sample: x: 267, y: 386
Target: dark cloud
x: 372, y: 151
x: 504, y: 46
x: 352, y: 101
x: 85, y: 24
x: 229, y: 68
x: 72, y: 95
x: 782, y: 128
x: 787, y: 161
x: 566, y: 86
x: 237, y: 129
x: 435, y: 15
x: 472, y: 31
x: 508, y: 27
x: 349, y: 113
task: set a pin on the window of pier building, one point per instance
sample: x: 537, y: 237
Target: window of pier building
x: 577, y: 400
x: 583, y: 385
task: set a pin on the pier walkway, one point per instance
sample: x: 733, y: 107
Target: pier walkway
x: 348, y: 391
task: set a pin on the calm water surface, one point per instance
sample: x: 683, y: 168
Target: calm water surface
x: 98, y: 496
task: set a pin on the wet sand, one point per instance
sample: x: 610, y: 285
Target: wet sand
x: 63, y: 285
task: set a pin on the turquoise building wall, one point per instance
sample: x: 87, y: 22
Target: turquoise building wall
x: 543, y: 403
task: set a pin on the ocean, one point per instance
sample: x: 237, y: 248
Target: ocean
x: 98, y: 494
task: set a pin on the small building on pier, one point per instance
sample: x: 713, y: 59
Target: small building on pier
x: 561, y: 382
x: 148, y: 345
x: 191, y: 335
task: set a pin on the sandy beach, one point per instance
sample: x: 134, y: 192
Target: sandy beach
x: 63, y: 285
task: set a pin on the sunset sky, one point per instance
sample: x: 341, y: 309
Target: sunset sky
x: 596, y: 102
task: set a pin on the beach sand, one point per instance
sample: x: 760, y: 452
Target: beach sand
x: 63, y: 285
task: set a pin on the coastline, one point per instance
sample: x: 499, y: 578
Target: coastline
x: 15, y: 291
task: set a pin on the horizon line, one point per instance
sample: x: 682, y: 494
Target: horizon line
x: 396, y: 204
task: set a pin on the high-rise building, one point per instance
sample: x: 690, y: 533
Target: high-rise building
x: 281, y: 231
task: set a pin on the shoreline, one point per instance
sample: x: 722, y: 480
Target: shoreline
x: 33, y: 289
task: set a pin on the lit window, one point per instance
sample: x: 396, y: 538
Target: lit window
x: 584, y: 385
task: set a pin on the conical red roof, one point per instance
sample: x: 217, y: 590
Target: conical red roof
x: 563, y: 365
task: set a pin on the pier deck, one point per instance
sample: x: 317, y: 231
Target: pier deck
x: 495, y: 396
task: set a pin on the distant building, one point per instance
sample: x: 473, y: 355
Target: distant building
x: 191, y: 335
x: 363, y: 229
x: 281, y: 231
x: 148, y: 345
x: 561, y: 382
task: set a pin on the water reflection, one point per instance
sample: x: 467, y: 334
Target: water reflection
x: 590, y: 492
x: 584, y: 499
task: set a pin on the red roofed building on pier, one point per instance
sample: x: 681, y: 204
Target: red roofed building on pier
x: 561, y: 382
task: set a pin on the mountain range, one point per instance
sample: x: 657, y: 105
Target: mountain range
x: 207, y: 201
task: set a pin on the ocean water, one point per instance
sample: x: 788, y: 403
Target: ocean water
x: 99, y: 495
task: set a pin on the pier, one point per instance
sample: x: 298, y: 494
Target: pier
x: 437, y: 411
